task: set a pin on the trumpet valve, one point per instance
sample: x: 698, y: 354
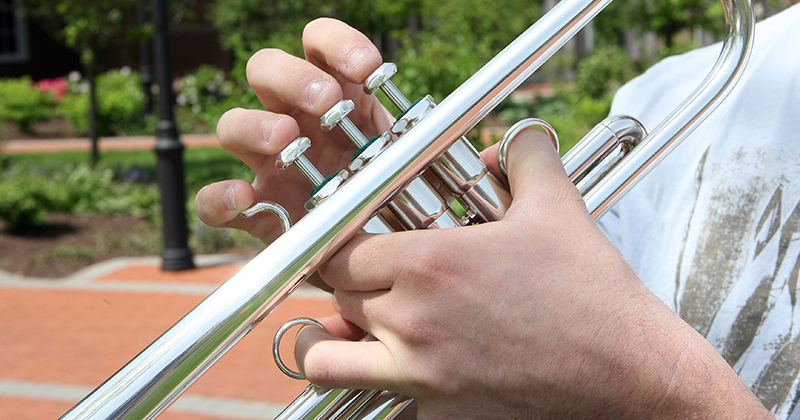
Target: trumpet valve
x: 293, y: 153
x: 413, y: 115
x: 373, y: 148
x: 337, y: 117
x: 381, y: 79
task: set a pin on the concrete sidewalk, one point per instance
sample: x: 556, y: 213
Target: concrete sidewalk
x: 61, y: 338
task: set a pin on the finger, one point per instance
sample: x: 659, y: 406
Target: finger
x: 284, y: 83
x: 255, y: 136
x: 339, y: 49
x: 489, y: 158
x: 373, y: 262
x: 536, y: 176
x: 220, y: 204
x: 333, y: 362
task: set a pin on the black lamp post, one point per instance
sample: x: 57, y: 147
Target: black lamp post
x: 145, y: 77
x: 176, y: 254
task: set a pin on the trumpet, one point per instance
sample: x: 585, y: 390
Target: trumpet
x: 388, y: 185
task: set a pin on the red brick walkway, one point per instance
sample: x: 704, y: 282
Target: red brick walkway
x: 61, y: 338
x: 104, y: 143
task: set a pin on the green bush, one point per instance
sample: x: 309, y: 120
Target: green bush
x: 120, y: 103
x: 205, y: 95
x: 22, y: 200
x: 27, y: 195
x: 25, y: 103
x: 604, y: 71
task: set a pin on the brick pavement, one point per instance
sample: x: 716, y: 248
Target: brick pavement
x: 104, y: 143
x: 61, y: 338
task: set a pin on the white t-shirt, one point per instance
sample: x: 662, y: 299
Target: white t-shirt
x: 715, y: 229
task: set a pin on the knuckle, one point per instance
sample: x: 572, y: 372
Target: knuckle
x: 433, y: 265
x: 414, y: 328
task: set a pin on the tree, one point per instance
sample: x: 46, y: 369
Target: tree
x: 248, y: 25
x: 436, y: 44
x: 668, y: 17
x: 86, y: 27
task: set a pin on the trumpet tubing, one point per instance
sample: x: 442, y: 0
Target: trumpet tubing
x: 412, y: 182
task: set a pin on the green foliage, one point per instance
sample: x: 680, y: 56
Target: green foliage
x: 572, y: 115
x: 84, y: 26
x: 25, y: 103
x: 247, y: 26
x: 21, y: 199
x: 202, y: 165
x: 120, y: 103
x: 205, y: 94
x: 453, y: 40
x: 442, y: 42
x: 605, y: 70
x: 668, y: 17
x: 28, y: 194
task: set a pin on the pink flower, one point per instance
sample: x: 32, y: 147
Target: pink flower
x: 58, y: 86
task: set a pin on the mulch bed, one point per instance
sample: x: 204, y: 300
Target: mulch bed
x: 66, y: 243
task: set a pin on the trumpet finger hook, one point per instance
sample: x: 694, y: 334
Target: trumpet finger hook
x: 277, y: 341
x: 511, y: 134
x: 274, y: 208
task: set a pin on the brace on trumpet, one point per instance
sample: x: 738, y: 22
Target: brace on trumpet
x: 412, y: 178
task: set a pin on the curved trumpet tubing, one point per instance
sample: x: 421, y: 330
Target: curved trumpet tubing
x: 150, y: 382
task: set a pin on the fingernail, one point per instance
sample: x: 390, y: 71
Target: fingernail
x: 268, y: 129
x: 316, y: 90
x: 228, y: 198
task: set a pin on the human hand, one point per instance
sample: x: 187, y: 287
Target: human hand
x: 534, y: 316
x: 295, y: 93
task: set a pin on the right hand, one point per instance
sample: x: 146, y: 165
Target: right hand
x: 295, y: 93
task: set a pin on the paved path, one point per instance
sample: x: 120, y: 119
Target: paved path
x: 104, y: 143
x: 61, y: 338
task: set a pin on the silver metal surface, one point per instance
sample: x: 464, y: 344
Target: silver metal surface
x: 149, y: 383
x: 413, y: 115
x: 680, y: 123
x: 161, y: 372
x: 460, y: 168
x: 276, y: 344
x: 293, y: 153
x: 618, y: 133
x: 274, y: 208
x: 369, y: 152
x: 326, y: 189
x: 337, y: 117
x: 381, y: 79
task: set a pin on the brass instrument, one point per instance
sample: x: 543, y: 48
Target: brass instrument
x: 393, y: 178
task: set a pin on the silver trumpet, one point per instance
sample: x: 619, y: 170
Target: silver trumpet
x: 411, y: 182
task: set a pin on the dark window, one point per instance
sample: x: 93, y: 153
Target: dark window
x: 13, y: 36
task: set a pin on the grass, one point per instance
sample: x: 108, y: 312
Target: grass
x: 201, y: 165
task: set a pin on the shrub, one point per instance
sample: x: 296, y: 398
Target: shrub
x: 120, y: 102
x: 21, y: 200
x: 25, y: 103
x: 206, y: 94
x: 605, y: 70
x: 26, y: 196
